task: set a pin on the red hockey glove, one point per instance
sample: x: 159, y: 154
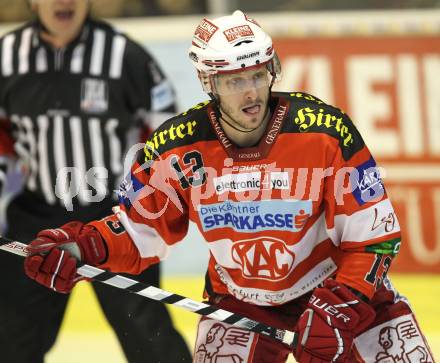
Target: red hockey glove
x: 53, y: 255
x: 334, y: 316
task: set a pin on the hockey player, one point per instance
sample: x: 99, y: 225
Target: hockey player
x: 72, y: 92
x: 288, y: 198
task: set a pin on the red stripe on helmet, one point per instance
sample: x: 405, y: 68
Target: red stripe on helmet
x: 214, y: 63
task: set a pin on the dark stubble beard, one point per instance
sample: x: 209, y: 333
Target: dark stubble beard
x: 237, y: 125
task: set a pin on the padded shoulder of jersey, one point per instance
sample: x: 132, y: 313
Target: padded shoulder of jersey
x: 309, y: 114
x: 184, y: 129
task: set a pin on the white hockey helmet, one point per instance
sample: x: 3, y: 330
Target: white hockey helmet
x: 229, y: 44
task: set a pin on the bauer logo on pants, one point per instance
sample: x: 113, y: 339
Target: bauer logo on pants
x: 396, y: 341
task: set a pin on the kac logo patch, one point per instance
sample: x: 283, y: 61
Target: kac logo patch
x: 266, y: 258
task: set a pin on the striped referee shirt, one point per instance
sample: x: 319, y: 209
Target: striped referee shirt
x: 72, y: 109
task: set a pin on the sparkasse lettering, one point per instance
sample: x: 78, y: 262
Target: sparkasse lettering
x: 256, y: 216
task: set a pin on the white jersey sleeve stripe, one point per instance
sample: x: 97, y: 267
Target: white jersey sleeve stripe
x: 24, y: 50
x: 7, y: 54
x: 117, y: 56
x: 115, y: 146
x: 78, y: 157
x: 60, y: 160
x: 97, y: 52
x: 31, y: 141
x: 41, y: 60
x: 367, y: 224
x: 147, y: 240
x: 97, y: 150
x: 76, y: 65
x: 46, y: 183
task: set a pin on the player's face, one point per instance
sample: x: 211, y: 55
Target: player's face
x: 244, y: 96
x: 62, y: 18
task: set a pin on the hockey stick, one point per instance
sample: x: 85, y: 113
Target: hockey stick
x: 152, y: 292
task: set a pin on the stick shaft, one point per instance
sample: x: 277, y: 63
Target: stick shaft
x: 155, y: 293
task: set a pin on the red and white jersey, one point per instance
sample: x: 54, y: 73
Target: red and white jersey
x: 306, y: 203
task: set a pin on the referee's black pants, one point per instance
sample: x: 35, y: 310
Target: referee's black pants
x: 31, y: 314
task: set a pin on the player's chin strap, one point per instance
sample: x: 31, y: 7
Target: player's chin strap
x: 109, y: 278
